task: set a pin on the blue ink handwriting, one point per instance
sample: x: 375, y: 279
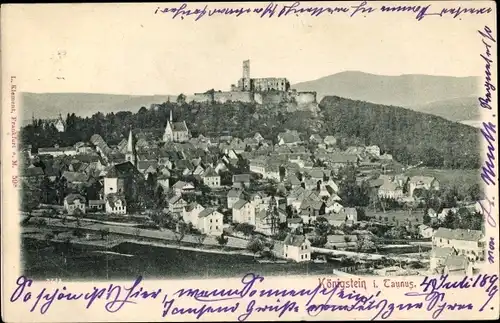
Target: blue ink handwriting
x: 297, y: 8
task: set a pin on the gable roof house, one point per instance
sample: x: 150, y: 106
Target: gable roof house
x: 176, y: 204
x: 289, y: 138
x: 233, y: 196
x: 74, y: 203
x: 422, y: 182
x: 297, y: 248
x: 241, y: 180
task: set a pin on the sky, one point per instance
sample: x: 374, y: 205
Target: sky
x: 127, y: 49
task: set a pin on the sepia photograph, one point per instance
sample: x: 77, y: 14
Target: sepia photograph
x: 213, y: 154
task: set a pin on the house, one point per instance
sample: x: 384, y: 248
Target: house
x: 336, y: 220
x: 330, y: 141
x: 336, y: 160
x: 121, y: 178
x: 466, y: 242
x: 289, y: 138
x: 258, y: 137
x: 57, y: 151
x: 244, y: 212
x: 191, y: 212
x: 96, y: 205
x: 241, y: 180
x: 147, y: 166
x: 220, y: 167
x: 297, y: 248
x: 210, y: 222
x: 351, y: 215
x: 425, y: 231
x: 164, y: 181
x: 438, y: 256
x: 332, y: 205
x: 373, y: 150
x: 266, y: 223
x: 116, y: 204
x: 183, y: 187
x: 211, y: 178
x: 74, y: 202
x: 32, y: 175
x: 422, y: 182
x: 176, y: 204
x: 198, y: 171
x: 233, y: 196
x: 315, y: 138
x: 390, y: 190
x: 75, y: 177
x: 294, y: 223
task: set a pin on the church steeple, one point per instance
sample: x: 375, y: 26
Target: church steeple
x: 130, y: 154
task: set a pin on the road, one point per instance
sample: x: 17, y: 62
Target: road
x: 368, y: 256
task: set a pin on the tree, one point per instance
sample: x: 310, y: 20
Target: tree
x: 77, y: 232
x: 49, y: 236
x: 181, y: 99
x: 322, y: 226
x: 104, y: 233
x: 451, y: 220
x: 245, y: 228
x: 361, y: 214
x: 222, y: 240
x: 200, y: 238
x: 255, y: 246
x: 474, y: 192
x: 180, y: 232
x: 318, y: 241
x: 427, y: 219
x: 30, y: 199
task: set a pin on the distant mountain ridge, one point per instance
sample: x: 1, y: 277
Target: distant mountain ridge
x: 449, y: 97
x: 49, y: 105
x: 446, y: 96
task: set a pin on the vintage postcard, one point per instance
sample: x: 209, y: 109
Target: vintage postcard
x: 249, y: 161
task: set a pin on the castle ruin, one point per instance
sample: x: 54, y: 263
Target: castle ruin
x: 269, y: 90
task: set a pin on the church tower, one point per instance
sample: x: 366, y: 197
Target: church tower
x: 168, y: 135
x: 131, y: 155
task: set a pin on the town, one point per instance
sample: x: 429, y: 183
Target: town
x: 294, y: 198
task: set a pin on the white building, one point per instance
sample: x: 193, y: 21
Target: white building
x: 244, y: 212
x: 469, y: 243
x: 210, y: 222
x: 74, y: 202
x: 116, y: 204
x: 211, y: 178
x: 191, y: 212
x: 297, y: 248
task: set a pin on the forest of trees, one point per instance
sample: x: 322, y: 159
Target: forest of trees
x: 411, y: 137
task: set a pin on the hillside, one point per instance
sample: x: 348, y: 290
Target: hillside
x: 411, y: 137
x: 410, y: 90
x: 459, y: 109
x: 49, y: 105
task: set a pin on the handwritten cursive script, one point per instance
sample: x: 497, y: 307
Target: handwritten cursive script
x: 297, y: 8
x: 252, y: 296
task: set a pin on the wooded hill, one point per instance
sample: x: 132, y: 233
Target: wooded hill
x: 411, y: 137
